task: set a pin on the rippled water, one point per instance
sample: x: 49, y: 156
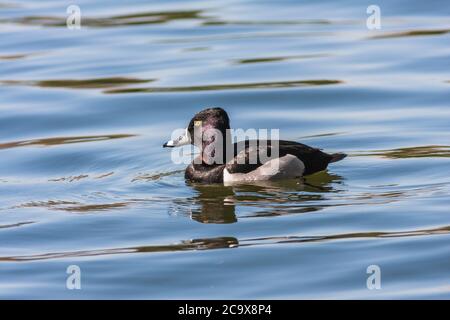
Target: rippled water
x: 84, y: 180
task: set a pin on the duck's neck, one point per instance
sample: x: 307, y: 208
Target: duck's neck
x: 214, y: 148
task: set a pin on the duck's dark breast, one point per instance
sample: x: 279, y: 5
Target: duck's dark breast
x: 204, y: 173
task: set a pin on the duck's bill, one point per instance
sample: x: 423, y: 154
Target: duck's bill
x: 178, y: 142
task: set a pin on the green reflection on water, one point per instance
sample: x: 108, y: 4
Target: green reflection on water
x: 234, y: 86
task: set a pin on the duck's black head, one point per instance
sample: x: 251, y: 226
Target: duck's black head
x: 205, y: 121
x: 211, y: 118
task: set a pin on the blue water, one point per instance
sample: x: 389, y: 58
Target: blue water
x: 84, y: 180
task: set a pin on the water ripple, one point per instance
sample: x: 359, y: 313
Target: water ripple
x: 234, y: 86
x: 228, y: 242
x: 413, y: 33
x: 62, y: 140
x: 410, y: 152
x: 141, y: 18
x: 279, y: 59
x: 73, y: 206
x: 96, y: 83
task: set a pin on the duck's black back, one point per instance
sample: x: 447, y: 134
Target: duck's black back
x: 314, y: 159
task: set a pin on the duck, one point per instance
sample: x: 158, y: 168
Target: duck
x: 223, y: 161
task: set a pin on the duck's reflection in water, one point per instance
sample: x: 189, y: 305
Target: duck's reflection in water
x: 213, y: 204
x: 217, y: 203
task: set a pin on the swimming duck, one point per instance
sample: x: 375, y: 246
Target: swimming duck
x: 209, y: 130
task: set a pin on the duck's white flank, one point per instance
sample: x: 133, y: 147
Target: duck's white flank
x: 287, y: 167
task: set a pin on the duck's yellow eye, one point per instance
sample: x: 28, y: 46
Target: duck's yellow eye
x: 197, y: 123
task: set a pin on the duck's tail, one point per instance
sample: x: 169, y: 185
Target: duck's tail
x: 337, y: 157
